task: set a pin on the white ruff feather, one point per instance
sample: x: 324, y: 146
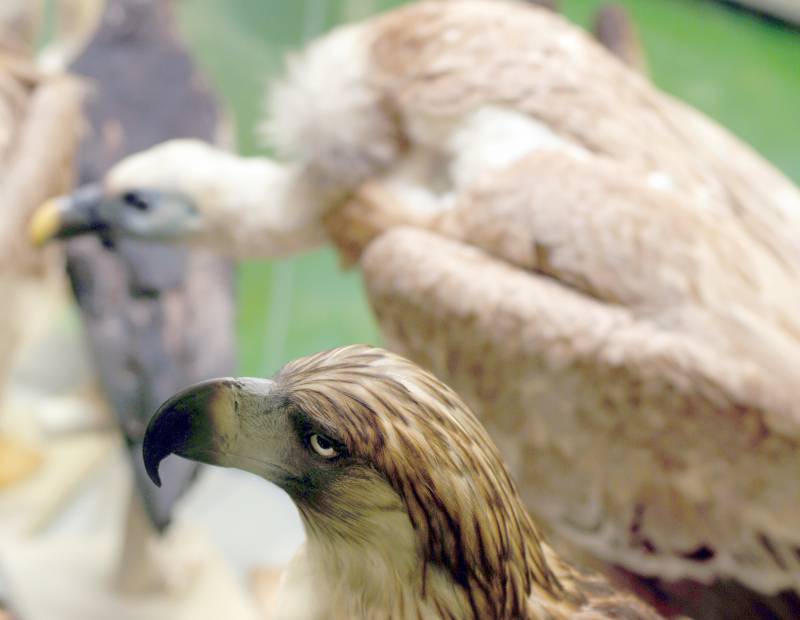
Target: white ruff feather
x: 326, y: 114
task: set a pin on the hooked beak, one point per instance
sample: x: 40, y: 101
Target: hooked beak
x: 194, y: 424
x: 68, y: 216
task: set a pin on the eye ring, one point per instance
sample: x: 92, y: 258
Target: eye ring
x: 135, y: 200
x: 322, y: 446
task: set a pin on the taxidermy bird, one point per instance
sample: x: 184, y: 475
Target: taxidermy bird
x: 139, y: 299
x: 408, y: 508
x: 607, y: 277
x: 39, y: 123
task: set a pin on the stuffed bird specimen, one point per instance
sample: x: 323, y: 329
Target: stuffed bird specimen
x: 607, y: 277
x: 139, y: 299
x: 39, y: 120
x: 409, y: 510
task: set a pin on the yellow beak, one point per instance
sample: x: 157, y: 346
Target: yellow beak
x: 68, y: 216
x: 46, y: 222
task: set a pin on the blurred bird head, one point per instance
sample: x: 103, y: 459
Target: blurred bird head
x: 381, y: 459
x: 176, y: 191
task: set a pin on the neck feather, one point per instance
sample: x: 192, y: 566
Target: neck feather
x: 264, y: 209
x: 363, y: 559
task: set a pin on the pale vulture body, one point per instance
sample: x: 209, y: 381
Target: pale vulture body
x: 628, y: 329
x: 608, y: 278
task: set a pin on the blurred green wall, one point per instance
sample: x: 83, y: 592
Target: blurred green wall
x: 743, y: 71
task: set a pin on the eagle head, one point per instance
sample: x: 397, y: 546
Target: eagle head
x: 376, y: 453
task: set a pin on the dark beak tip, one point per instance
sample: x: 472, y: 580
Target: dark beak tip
x: 151, y: 465
x: 157, y: 443
x: 179, y: 424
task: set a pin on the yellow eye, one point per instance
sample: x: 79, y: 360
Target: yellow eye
x: 322, y: 446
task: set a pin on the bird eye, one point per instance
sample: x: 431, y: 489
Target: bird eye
x: 135, y: 200
x: 322, y: 446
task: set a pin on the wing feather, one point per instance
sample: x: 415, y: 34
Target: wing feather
x: 690, y: 266
x: 437, y: 62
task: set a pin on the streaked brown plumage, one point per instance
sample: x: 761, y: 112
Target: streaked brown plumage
x: 389, y: 416
x: 607, y: 277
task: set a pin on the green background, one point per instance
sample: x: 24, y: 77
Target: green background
x: 741, y: 70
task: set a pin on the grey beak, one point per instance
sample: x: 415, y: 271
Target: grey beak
x: 185, y: 425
